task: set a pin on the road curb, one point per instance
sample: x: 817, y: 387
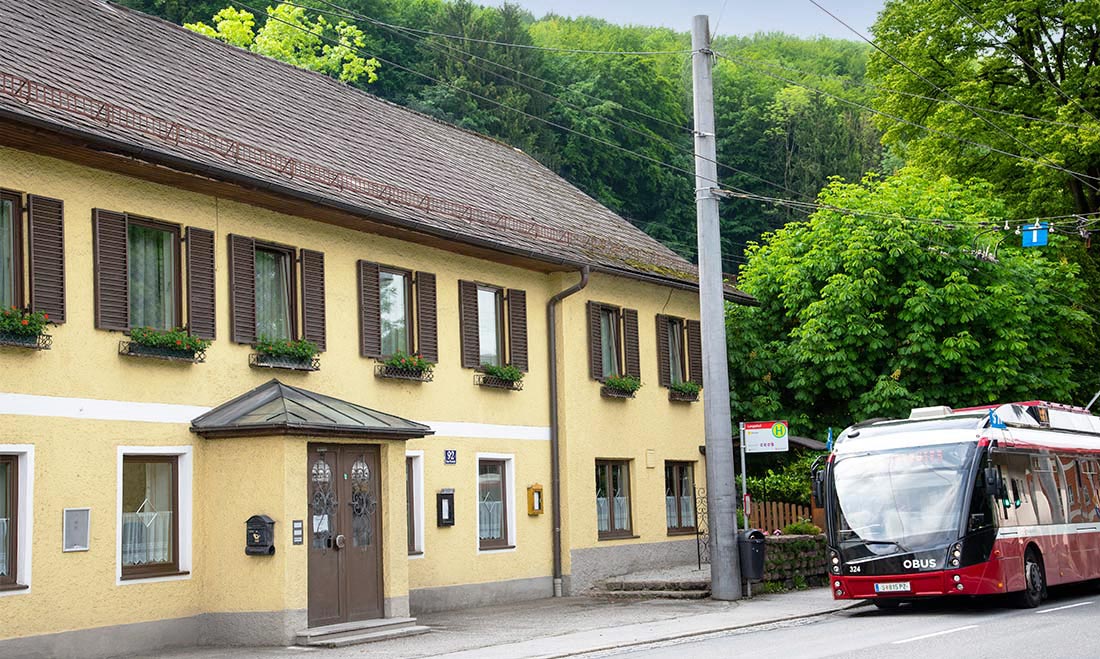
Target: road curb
x: 676, y: 637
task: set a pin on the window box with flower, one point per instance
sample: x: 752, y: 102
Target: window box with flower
x: 620, y: 386
x: 299, y: 355
x: 170, y: 345
x: 22, y: 328
x: 499, y: 377
x: 684, y: 392
x: 401, y: 366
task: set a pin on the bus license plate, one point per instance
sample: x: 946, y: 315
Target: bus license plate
x: 898, y: 587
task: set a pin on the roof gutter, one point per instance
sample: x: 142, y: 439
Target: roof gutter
x: 555, y: 453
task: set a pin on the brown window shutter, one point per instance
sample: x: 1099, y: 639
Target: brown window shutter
x: 695, y: 351
x: 664, y: 365
x: 242, y: 289
x: 370, y: 311
x: 47, y: 256
x: 467, y: 309
x: 200, y: 283
x: 632, y: 362
x: 595, y: 342
x: 427, y: 333
x: 517, y: 328
x: 313, y: 297
x: 112, y: 277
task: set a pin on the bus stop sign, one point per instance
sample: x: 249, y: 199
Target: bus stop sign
x: 766, y: 437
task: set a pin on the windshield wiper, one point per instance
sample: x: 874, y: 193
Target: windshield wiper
x: 886, y: 542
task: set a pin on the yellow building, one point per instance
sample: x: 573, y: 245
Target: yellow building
x: 229, y: 484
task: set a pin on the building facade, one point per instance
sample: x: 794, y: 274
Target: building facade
x: 220, y: 492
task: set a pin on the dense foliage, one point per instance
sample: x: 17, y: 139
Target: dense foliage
x: 871, y: 314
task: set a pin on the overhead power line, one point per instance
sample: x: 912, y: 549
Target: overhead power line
x: 851, y: 82
x: 1046, y: 80
x: 936, y: 131
x: 1042, y: 159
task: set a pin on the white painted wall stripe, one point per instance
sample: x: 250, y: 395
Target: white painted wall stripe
x: 118, y: 410
x: 100, y: 410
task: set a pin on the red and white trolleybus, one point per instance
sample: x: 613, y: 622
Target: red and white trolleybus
x: 977, y: 501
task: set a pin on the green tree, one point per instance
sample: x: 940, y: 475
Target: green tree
x: 869, y: 315
x: 291, y: 36
x: 1029, y: 71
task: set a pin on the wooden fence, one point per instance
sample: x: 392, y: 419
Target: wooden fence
x: 770, y: 515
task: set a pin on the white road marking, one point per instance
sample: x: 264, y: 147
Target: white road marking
x: 946, y: 631
x: 1062, y: 608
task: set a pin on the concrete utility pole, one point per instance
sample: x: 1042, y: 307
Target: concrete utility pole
x: 725, y: 571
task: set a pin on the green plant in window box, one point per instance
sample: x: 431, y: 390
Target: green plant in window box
x: 24, y: 322
x: 411, y: 363
x: 175, y: 339
x: 507, y: 372
x: 300, y: 349
x: 627, y: 384
x: 687, y: 388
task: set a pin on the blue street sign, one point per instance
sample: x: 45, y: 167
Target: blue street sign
x: 1035, y: 235
x: 450, y: 456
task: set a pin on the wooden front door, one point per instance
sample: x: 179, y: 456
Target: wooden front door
x: 345, y: 548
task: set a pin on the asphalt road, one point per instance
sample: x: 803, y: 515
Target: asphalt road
x: 1064, y: 626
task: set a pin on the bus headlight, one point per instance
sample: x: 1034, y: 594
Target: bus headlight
x: 956, y: 554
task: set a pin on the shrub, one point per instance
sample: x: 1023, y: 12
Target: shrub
x: 627, y: 383
x: 686, y: 387
x: 24, y: 322
x: 175, y: 339
x: 300, y: 349
x: 506, y: 372
x: 801, y: 527
x: 414, y: 362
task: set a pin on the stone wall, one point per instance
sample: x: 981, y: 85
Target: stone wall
x: 795, y: 560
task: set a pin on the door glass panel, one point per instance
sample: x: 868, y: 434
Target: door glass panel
x: 363, y: 505
x: 148, y: 513
x: 152, y: 277
x: 395, y: 313
x: 7, y: 254
x: 322, y: 503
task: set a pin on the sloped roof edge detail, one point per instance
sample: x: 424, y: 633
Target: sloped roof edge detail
x: 275, y: 408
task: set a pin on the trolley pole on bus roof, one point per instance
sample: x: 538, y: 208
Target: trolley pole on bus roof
x: 725, y: 571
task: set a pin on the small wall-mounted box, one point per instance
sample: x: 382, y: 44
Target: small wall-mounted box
x: 534, y: 499
x: 259, y: 536
x: 445, y: 507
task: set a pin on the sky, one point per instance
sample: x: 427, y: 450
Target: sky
x: 732, y: 17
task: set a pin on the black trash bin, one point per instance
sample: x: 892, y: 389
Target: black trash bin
x: 750, y: 548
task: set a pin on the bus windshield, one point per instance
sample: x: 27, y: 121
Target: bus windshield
x: 901, y: 500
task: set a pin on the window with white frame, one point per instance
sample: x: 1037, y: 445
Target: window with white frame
x: 16, y: 492
x: 414, y: 496
x: 496, y: 509
x: 154, y: 516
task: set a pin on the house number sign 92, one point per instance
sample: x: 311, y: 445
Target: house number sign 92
x: 450, y: 456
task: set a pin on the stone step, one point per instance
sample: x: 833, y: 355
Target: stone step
x: 360, y: 631
x: 683, y: 584
x: 653, y: 594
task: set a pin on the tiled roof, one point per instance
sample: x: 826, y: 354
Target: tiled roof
x: 112, y: 73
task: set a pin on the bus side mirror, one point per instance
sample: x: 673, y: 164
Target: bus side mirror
x: 994, y: 484
x: 817, y: 483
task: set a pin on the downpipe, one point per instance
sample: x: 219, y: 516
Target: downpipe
x: 555, y: 467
